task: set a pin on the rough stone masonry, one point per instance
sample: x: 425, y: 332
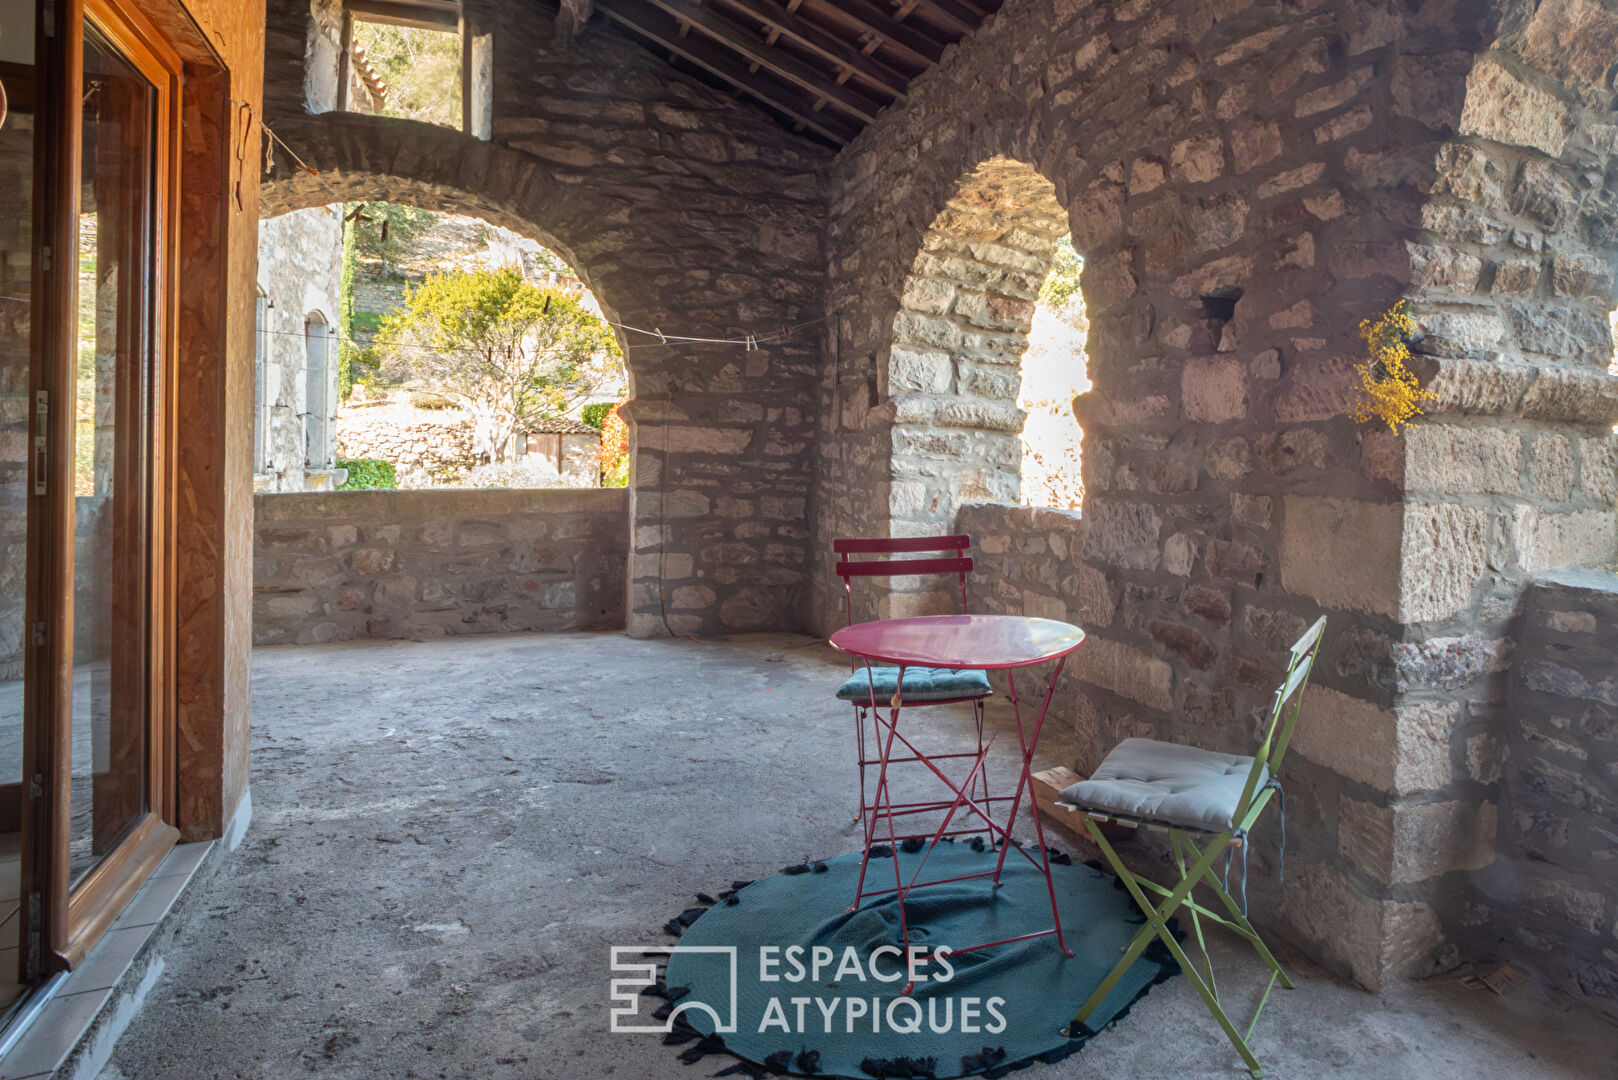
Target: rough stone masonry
x: 1247, y: 180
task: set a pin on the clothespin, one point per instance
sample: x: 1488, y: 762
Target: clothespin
x: 660, y: 337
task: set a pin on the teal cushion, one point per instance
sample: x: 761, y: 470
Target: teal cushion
x: 921, y: 684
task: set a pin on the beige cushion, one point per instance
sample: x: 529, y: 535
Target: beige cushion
x: 1165, y: 782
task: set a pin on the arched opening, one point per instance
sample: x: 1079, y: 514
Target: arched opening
x: 962, y: 377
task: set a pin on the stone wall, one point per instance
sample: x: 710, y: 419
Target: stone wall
x: 1246, y: 182
x: 683, y: 210
x: 426, y: 564
x: 1557, y: 764
x: 426, y: 446
x: 300, y: 257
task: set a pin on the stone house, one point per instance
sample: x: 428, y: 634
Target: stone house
x: 295, y: 400
x: 824, y: 260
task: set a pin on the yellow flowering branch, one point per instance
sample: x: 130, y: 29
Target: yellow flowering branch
x: 1387, y: 389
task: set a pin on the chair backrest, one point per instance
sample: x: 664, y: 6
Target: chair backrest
x: 959, y: 563
x: 1283, y: 713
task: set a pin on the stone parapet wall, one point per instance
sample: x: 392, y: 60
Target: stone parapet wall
x: 1557, y: 761
x: 426, y: 564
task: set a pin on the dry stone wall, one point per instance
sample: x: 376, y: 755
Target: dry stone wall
x: 683, y: 210
x: 340, y: 566
x: 1247, y: 181
x: 1558, y: 769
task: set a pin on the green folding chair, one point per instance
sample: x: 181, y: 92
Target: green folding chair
x: 1207, y: 802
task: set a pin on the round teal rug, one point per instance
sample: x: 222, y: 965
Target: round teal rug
x: 783, y: 976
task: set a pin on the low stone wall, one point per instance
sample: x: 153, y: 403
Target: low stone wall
x: 1558, y: 878
x: 425, y: 564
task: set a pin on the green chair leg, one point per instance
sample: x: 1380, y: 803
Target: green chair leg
x: 1198, y: 868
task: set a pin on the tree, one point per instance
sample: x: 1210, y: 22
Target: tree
x: 421, y: 68
x: 505, y: 350
x: 387, y: 231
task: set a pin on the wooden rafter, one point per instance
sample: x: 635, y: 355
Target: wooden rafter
x: 908, y: 41
x: 659, y: 26
x: 752, y: 48
x: 825, y: 66
x: 784, y: 22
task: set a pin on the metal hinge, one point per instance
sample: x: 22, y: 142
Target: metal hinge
x: 36, y: 786
x: 50, y: 18
x: 39, y: 635
x: 42, y: 419
x: 45, y: 257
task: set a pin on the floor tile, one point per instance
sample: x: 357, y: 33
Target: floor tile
x: 107, y: 961
x: 52, y: 1034
x: 151, y: 902
x: 182, y: 859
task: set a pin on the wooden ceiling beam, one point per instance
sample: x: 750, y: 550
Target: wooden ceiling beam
x: 750, y: 46
x: 662, y: 28
x: 424, y: 15
x: 781, y: 21
x: 957, y: 18
x: 908, y: 41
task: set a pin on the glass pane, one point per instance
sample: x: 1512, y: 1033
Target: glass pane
x: 16, y: 267
x: 113, y: 382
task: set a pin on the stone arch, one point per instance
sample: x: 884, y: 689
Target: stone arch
x: 664, y: 244
x: 952, y: 375
x: 358, y: 157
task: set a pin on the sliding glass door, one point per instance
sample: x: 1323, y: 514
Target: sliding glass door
x: 96, y: 697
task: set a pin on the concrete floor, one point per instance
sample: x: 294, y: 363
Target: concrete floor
x: 449, y: 836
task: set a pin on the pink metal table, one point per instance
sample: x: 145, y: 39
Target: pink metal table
x: 959, y: 642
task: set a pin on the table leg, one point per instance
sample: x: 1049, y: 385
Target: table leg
x: 1025, y: 782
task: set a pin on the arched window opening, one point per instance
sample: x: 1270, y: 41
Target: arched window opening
x: 1054, y: 372
x: 401, y: 390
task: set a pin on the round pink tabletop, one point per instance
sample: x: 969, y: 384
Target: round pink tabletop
x: 976, y: 642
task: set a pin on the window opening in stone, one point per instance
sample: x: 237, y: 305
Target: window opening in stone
x: 317, y: 338
x: 402, y: 391
x: 1053, y: 374
x: 410, y: 72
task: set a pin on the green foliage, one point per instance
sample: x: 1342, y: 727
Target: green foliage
x: 596, y: 414
x: 421, y: 68
x: 507, y: 350
x: 345, y: 314
x: 1062, y: 283
x: 400, y: 225
x: 368, y: 474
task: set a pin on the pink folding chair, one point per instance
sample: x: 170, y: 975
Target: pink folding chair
x: 870, y: 687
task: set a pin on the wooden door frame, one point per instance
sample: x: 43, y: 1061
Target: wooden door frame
x: 70, y: 918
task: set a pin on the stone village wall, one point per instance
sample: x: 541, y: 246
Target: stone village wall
x: 1246, y: 182
x: 300, y: 258
x: 346, y: 565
